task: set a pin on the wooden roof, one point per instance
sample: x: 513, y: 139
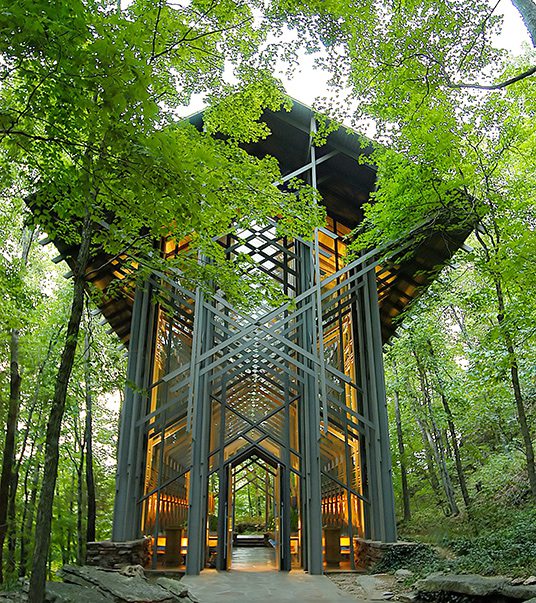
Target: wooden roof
x: 344, y: 185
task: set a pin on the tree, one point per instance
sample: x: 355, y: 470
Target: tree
x: 88, y: 101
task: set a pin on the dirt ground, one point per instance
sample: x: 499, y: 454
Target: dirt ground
x: 377, y: 587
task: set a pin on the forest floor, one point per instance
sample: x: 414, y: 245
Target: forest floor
x: 365, y: 587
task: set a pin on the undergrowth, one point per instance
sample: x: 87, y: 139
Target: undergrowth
x: 490, y: 541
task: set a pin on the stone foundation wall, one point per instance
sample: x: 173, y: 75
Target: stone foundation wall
x: 115, y: 555
x: 369, y: 552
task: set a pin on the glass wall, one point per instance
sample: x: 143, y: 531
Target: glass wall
x: 252, y: 391
x: 341, y: 482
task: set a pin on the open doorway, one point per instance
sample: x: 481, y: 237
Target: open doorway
x: 255, y: 520
x: 247, y: 515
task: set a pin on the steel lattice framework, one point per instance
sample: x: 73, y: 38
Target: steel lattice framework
x: 300, y: 387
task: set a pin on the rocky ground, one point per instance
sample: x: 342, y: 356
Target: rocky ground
x: 376, y: 587
x: 89, y: 584
x: 437, y: 588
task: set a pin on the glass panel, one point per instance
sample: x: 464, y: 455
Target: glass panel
x: 295, y: 523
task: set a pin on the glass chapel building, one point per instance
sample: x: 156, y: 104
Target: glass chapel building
x: 296, y: 391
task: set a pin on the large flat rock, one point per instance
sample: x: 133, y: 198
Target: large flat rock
x: 474, y: 585
x: 122, y: 589
x: 59, y: 592
x: 176, y: 587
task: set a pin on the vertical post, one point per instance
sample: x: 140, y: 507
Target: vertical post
x: 197, y: 511
x: 368, y: 443
x: 286, y: 561
x: 223, y: 473
x: 388, y: 518
x: 126, y: 512
x: 311, y: 429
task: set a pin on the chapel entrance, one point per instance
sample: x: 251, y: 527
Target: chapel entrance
x: 253, y: 515
x: 249, y: 523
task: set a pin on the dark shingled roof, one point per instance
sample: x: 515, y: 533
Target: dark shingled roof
x: 345, y: 185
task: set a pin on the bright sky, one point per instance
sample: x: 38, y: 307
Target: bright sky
x: 308, y: 83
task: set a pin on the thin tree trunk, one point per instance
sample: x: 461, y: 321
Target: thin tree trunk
x: 24, y: 534
x: 457, y: 456
x: 516, y: 386
x: 28, y: 521
x: 8, y: 460
x: 12, y: 527
x: 80, y: 509
x: 90, y: 478
x: 453, y: 436
x: 434, y: 481
x: 402, y: 455
x: 435, y: 441
x: 44, y: 513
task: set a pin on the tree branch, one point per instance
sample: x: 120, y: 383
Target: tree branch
x: 500, y: 86
x: 155, y: 32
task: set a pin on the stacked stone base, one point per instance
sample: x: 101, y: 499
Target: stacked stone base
x: 369, y: 553
x: 115, y: 555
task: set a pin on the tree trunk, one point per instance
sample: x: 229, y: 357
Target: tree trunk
x: 452, y: 429
x: 435, y: 441
x: 401, y: 454
x: 8, y: 460
x: 44, y: 513
x: 79, y: 509
x: 516, y: 386
x: 12, y: 526
x: 434, y: 481
x: 457, y: 455
x: 28, y: 517
x: 527, y: 10
x: 90, y: 478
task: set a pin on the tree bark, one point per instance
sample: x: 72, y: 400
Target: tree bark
x: 527, y: 10
x: 90, y: 478
x: 28, y: 516
x: 8, y: 460
x: 435, y: 441
x: 402, y: 454
x: 516, y: 387
x: 79, y: 508
x: 44, y: 512
x: 452, y: 429
x: 432, y: 476
x: 457, y: 456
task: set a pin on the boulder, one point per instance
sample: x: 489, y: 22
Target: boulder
x: 132, y: 570
x: 59, y: 592
x: 469, y: 584
x: 13, y: 597
x: 175, y: 587
x: 496, y: 588
x: 122, y: 589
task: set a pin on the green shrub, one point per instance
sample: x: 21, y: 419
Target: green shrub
x: 421, y: 559
x: 507, y: 548
x: 250, y: 525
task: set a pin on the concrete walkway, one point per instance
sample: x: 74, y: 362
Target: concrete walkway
x: 238, y: 586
